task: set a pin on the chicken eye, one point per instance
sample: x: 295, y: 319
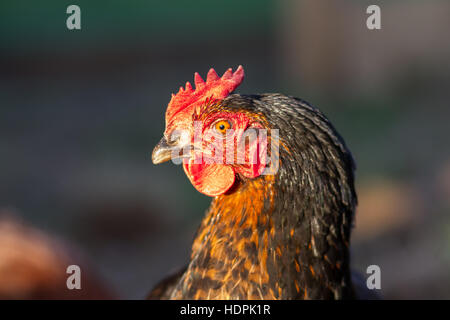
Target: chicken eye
x: 222, y: 126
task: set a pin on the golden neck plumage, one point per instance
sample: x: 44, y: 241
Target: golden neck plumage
x: 230, y: 250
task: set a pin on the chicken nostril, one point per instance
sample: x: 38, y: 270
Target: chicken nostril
x: 172, y: 140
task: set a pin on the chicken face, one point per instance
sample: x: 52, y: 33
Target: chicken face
x: 215, y: 143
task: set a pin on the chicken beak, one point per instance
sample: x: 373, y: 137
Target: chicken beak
x: 162, y: 152
x: 165, y: 151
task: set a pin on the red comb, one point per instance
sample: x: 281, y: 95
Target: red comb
x: 183, y: 104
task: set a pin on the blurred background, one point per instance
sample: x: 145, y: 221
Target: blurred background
x: 80, y: 112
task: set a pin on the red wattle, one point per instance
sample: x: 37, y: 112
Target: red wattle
x: 256, y: 157
x: 210, y: 179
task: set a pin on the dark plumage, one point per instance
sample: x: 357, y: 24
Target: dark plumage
x: 282, y: 236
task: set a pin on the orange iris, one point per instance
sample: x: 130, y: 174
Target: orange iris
x: 222, y: 126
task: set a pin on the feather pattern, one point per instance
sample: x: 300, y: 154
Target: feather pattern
x: 281, y: 236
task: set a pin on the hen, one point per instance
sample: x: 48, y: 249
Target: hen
x: 282, y: 182
x: 33, y: 265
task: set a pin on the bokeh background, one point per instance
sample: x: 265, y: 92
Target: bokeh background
x: 80, y: 112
